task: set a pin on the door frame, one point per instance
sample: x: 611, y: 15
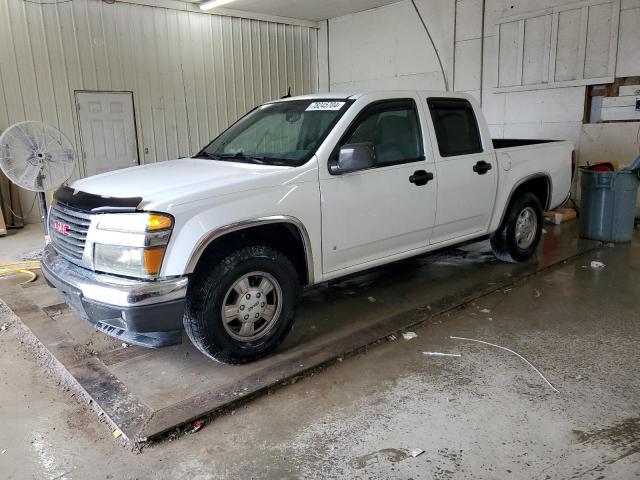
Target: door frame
x: 485, y: 142
x: 334, y: 144
x: 77, y: 109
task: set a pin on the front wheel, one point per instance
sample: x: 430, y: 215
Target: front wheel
x: 242, y: 307
x: 517, y: 238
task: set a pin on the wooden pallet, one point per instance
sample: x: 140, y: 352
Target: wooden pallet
x: 560, y: 215
x: 3, y: 226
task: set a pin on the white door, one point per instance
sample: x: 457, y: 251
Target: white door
x: 466, y: 170
x: 107, y: 131
x: 371, y: 214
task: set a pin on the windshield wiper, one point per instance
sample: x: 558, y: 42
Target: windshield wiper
x: 204, y: 154
x: 242, y: 156
x: 235, y: 156
x: 261, y: 160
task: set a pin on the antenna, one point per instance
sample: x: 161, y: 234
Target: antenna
x: 288, y: 93
x: 36, y: 157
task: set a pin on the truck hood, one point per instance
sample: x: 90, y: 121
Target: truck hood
x: 183, y: 180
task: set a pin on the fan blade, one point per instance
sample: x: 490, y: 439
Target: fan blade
x: 36, y: 156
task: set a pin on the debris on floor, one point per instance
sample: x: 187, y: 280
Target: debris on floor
x: 440, y: 354
x: 511, y: 351
x: 392, y: 338
x: 414, y: 452
x: 371, y: 299
x: 4, y: 327
x: 392, y: 455
x: 196, y: 427
x: 536, y: 293
x: 124, y: 345
x: 597, y: 265
x: 485, y: 310
x: 117, y: 433
x: 33, y: 255
x: 409, y: 335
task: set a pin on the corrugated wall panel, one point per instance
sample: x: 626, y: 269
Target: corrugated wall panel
x: 191, y: 74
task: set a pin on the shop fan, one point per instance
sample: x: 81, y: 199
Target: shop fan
x: 36, y: 157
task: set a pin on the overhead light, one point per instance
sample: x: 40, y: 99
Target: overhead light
x: 214, y: 3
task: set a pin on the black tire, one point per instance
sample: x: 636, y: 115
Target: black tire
x: 212, y: 283
x: 503, y: 241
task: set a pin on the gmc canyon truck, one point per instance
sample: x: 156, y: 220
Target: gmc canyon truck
x: 299, y: 191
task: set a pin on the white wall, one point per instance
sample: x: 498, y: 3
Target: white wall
x: 387, y: 48
x: 191, y: 74
x: 552, y: 112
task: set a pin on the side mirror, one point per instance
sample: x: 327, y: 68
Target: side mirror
x: 353, y: 157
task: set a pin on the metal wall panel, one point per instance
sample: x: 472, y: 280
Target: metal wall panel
x: 191, y: 74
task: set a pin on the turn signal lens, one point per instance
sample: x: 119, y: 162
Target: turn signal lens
x: 153, y: 260
x: 158, y: 222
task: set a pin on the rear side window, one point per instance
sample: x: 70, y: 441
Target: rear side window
x: 456, y: 126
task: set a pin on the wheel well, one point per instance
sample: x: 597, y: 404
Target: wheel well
x: 281, y: 236
x: 539, y: 186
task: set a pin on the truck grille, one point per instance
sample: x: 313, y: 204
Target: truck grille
x: 68, y: 231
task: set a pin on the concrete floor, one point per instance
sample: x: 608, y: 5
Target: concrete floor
x: 485, y: 414
x: 22, y: 243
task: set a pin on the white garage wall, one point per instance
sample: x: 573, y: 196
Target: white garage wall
x: 387, y: 48
x: 557, y: 113
x: 191, y: 74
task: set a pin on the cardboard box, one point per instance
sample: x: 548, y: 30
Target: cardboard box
x: 3, y: 227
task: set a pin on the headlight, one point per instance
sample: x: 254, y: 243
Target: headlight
x: 135, y: 222
x: 131, y: 244
x: 131, y: 261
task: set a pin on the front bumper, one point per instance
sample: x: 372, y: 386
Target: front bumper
x: 147, y: 313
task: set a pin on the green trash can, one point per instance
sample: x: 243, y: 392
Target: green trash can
x: 608, y: 205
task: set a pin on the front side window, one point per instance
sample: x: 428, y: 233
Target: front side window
x: 394, y: 130
x: 455, y: 125
x: 281, y: 133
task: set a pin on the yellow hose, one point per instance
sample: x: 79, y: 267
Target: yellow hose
x: 23, y: 267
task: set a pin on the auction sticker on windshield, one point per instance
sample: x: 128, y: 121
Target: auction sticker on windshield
x: 325, y: 106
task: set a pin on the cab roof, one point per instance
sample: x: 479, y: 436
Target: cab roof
x: 376, y: 93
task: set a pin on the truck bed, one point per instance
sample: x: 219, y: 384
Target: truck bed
x: 499, y: 143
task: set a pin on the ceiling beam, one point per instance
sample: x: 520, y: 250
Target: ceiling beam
x: 223, y: 12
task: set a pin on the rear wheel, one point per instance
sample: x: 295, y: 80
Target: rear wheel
x: 242, y: 307
x: 517, y: 238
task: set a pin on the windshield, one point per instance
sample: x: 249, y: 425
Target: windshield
x: 282, y: 133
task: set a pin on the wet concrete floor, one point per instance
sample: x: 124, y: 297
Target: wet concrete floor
x: 146, y: 392
x: 485, y: 414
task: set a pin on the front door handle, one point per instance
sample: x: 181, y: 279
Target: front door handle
x: 482, y: 167
x: 421, y: 177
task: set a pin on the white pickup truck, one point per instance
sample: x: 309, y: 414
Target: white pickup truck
x: 297, y: 192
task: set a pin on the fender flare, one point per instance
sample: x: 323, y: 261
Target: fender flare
x: 254, y: 222
x: 521, y: 182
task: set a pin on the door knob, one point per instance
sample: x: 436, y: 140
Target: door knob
x: 421, y: 177
x: 482, y: 167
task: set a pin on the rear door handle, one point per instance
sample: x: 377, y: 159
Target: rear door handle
x: 421, y: 177
x: 482, y: 167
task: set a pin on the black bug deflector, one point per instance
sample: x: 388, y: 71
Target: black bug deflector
x: 90, y: 202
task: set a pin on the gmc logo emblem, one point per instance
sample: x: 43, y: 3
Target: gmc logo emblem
x: 60, y: 227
